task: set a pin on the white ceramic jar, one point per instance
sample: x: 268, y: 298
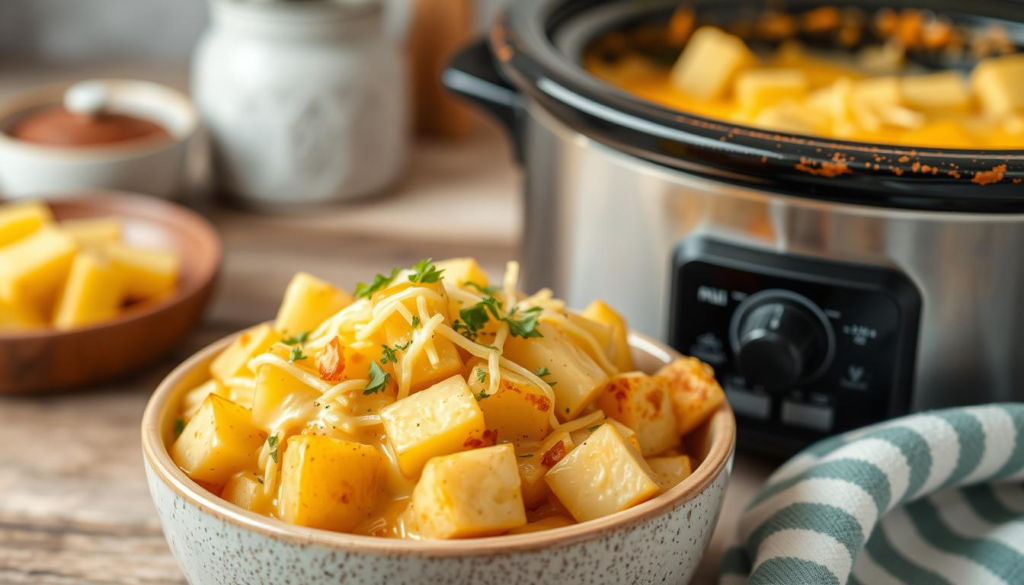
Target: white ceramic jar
x: 305, y: 102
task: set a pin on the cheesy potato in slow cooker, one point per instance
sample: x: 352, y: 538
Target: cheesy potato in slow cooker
x: 871, y: 91
x: 432, y: 404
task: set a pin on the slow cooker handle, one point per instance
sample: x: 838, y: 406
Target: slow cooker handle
x: 473, y: 74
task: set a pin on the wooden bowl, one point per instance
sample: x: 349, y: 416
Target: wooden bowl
x: 46, y: 359
x: 658, y: 541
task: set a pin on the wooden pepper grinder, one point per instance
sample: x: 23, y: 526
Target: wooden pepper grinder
x: 439, y: 28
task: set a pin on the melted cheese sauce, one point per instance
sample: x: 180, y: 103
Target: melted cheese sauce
x: 969, y: 127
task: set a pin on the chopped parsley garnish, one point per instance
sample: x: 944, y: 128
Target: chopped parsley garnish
x: 179, y: 427
x: 476, y: 317
x: 415, y: 321
x: 365, y: 291
x: 296, y: 339
x: 272, y: 442
x: 481, y: 375
x: 482, y: 395
x: 424, y: 272
x: 389, y: 352
x: 541, y: 372
x: 296, y: 354
x: 526, y: 455
x: 526, y: 325
x: 487, y: 290
x: 378, y: 379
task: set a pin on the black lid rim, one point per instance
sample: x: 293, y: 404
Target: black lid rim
x: 927, y: 179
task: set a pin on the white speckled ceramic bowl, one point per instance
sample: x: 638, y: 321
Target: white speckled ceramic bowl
x: 659, y: 541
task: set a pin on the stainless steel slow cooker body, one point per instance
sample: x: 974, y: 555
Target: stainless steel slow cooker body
x: 824, y: 300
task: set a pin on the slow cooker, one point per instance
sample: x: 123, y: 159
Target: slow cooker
x: 831, y: 284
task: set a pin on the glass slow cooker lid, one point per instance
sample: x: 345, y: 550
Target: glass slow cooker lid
x: 539, y: 46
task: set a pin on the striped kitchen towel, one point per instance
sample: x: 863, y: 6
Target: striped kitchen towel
x: 933, y: 498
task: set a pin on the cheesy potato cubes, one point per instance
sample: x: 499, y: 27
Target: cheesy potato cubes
x: 20, y: 220
x: 600, y: 312
x: 442, y: 419
x: 695, y: 393
x: 308, y: 301
x: 247, y: 490
x: 328, y: 483
x: 91, y: 294
x: 601, y: 476
x: 218, y: 442
x: 669, y: 471
x: 709, y: 62
x: 376, y: 427
x: 475, y: 493
x: 999, y: 84
x: 519, y: 411
x: 234, y: 361
x: 642, y: 403
x: 576, y: 379
x: 277, y: 393
x: 146, y: 273
x: 95, y: 233
x: 33, y: 269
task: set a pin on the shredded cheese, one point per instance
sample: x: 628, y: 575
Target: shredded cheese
x: 419, y: 338
x: 390, y: 305
x: 569, y: 427
x: 305, y: 376
x: 510, y: 282
x: 484, y: 353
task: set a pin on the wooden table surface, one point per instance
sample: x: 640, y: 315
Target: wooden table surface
x: 74, y: 506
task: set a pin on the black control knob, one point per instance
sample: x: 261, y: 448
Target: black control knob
x: 780, y: 339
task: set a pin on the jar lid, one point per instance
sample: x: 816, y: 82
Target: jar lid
x: 84, y: 119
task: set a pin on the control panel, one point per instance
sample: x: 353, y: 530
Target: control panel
x: 804, y: 348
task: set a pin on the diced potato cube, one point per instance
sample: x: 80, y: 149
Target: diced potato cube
x: 234, y: 361
x: 462, y: 270
x: 543, y: 524
x: 576, y: 379
x: 33, y: 269
x: 709, y: 62
x: 642, y: 403
x: 246, y: 490
x: 398, y: 332
x: 20, y: 220
x: 877, y: 91
x: 620, y: 355
x: 518, y: 411
x: 475, y: 493
x: 602, y: 476
x: 218, y: 442
x: 581, y: 435
x: 533, y: 466
x: 278, y: 393
x: 946, y: 91
x: 195, y: 397
x: 308, y: 301
x: 760, y: 88
x: 13, y: 318
x: 93, y: 232
x: 601, y: 332
x: 695, y: 393
x: 92, y: 293
x: 789, y: 116
x: 442, y: 419
x: 146, y: 273
x: 328, y: 483
x: 999, y: 84
x: 669, y: 471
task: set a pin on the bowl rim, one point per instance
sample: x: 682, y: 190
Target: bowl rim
x: 197, y: 226
x: 158, y: 460
x: 50, y: 94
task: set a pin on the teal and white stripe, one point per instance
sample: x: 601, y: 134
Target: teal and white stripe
x: 930, y: 498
